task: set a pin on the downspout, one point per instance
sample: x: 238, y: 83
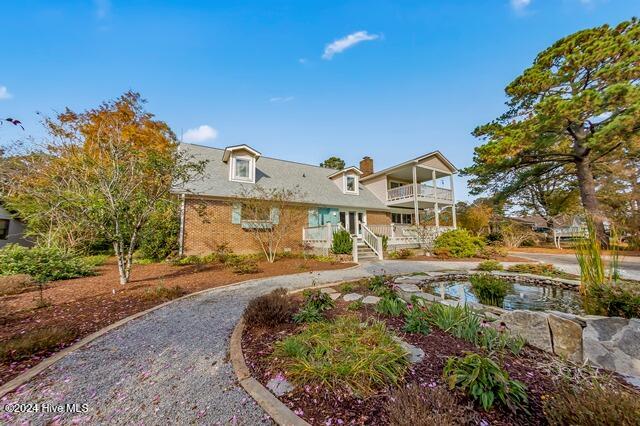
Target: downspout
x: 181, y: 233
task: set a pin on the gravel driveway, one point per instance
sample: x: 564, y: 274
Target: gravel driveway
x: 171, y: 366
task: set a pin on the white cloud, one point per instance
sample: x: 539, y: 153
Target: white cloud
x: 102, y: 7
x: 4, y: 93
x: 281, y: 99
x: 520, y: 5
x: 302, y: 61
x: 345, y: 43
x: 200, y: 134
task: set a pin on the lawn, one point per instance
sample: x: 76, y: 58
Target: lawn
x: 78, y: 307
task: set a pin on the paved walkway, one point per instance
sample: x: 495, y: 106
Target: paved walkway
x: 171, y: 366
x: 629, y: 265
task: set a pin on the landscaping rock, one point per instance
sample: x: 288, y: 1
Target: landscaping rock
x: 409, y: 288
x: 370, y: 300
x: 567, y: 337
x: 334, y: 296
x: 328, y: 290
x: 414, y: 353
x: 614, y: 344
x: 279, y: 386
x: 426, y: 296
x: 409, y: 280
x: 352, y: 297
x: 532, y: 326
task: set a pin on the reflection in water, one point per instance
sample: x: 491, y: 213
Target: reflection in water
x: 521, y: 296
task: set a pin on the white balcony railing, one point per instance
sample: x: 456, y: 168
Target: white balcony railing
x: 406, y: 192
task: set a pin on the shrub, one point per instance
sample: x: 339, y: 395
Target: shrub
x: 416, y: 405
x: 346, y: 287
x: 33, y: 342
x: 189, y: 260
x: 308, y: 314
x: 43, y: 264
x: 400, y: 254
x: 15, y: 284
x: 342, y: 243
x: 459, y: 321
x: 416, y: 320
x: 489, y: 289
x: 591, y: 404
x: 485, y: 382
x: 545, y: 269
x: 377, y: 283
x: 492, y: 252
x: 318, y: 300
x: 392, y: 306
x: 246, y: 266
x: 345, y: 354
x: 95, y: 260
x: 613, y: 300
x: 459, y: 243
x: 490, y: 265
x: 159, y: 237
x: 269, y: 310
x: 162, y: 293
x: 385, y: 242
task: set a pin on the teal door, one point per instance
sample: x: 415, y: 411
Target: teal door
x: 327, y: 215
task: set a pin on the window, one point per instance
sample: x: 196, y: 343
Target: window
x: 4, y: 228
x: 255, y: 216
x: 351, y: 184
x: 393, y: 184
x: 242, y: 169
x: 402, y: 218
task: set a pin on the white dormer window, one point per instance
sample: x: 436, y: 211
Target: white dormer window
x: 351, y: 184
x: 242, y: 163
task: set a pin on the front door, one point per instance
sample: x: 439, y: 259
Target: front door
x: 352, y: 223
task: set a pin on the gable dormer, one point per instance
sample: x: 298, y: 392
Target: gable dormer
x: 348, y: 180
x: 242, y: 163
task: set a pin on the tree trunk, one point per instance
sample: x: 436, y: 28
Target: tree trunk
x: 122, y: 263
x: 587, y: 187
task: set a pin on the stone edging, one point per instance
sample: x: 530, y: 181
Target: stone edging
x: 29, y: 374
x: 280, y: 413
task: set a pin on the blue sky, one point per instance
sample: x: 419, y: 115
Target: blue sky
x: 300, y: 80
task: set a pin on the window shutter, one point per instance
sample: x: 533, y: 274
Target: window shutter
x: 236, y: 213
x: 313, y: 218
x: 275, y: 215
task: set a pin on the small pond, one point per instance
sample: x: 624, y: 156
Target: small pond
x: 520, y: 296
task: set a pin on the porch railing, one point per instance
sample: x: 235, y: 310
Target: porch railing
x: 373, y: 241
x: 427, y: 191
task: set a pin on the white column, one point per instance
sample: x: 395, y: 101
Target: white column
x: 453, y: 203
x: 415, y: 196
x: 436, y: 207
x: 435, y: 184
x: 181, y: 232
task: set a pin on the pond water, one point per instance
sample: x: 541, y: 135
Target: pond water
x: 520, y: 296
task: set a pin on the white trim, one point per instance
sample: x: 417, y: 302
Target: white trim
x: 343, y: 171
x: 252, y: 169
x: 228, y: 151
x: 356, y: 183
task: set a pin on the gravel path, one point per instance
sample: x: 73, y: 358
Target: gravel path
x: 171, y: 366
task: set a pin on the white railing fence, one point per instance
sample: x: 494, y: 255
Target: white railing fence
x: 373, y: 241
x: 426, y: 191
x: 321, y: 236
x: 400, y: 192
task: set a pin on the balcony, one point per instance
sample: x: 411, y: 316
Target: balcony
x: 425, y: 193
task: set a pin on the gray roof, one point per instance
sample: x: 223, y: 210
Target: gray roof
x: 313, y: 181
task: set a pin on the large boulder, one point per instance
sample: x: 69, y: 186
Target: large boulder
x: 614, y: 344
x: 567, y: 337
x: 532, y: 326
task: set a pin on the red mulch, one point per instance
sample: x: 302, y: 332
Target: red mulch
x: 317, y: 405
x: 85, y: 305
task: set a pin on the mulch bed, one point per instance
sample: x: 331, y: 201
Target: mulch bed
x: 319, y: 406
x: 85, y: 305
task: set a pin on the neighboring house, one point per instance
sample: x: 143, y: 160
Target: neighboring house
x: 11, y: 230
x: 564, y: 227
x: 366, y: 203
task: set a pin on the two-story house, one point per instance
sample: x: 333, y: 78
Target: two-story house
x: 366, y: 203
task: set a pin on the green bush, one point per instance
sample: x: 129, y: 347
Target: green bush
x: 494, y: 340
x: 462, y: 322
x: 401, y: 254
x: 95, y: 260
x: 459, y: 243
x: 416, y: 320
x: 270, y: 309
x: 355, y: 305
x: 385, y: 242
x: 613, y: 300
x: 490, y: 265
x: 308, y: 314
x: 318, y: 300
x: 485, y: 382
x: 246, y: 266
x: 342, y: 243
x: 344, y: 354
x: 376, y: 283
x: 164, y: 294
x: 489, y: 289
x: 492, y: 252
x: 545, y: 269
x: 392, y: 306
x: 43, y: 264
x: 592, y: 404
x: 159, y: 237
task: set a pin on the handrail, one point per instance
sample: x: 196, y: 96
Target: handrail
x: 372, y: 240
x: 400, y: 192
x: 427, y: 191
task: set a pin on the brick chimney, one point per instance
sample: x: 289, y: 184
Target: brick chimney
x: 366, y: 166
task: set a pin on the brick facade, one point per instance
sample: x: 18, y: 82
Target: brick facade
x: 207, y: 223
